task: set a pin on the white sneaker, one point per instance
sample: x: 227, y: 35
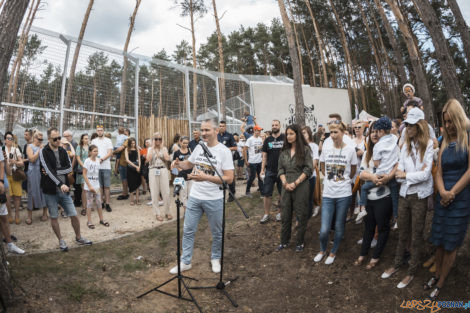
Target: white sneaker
x: 315, y: 211
x: 360, y: 216
x: 14, y: 249
x: 184, y: 267
x: 359, y: 242
x: 395, y: 226
x: 161, y: 203
x: 318, y: 257
x: 265, y: 219
x: 278, y: 217
x: 373, y: 243
x: 150, y: 203
x: 215, y: 265
x: 330, y: 260
x: 357, y: 210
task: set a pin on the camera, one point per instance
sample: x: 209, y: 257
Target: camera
x: 3, y: 198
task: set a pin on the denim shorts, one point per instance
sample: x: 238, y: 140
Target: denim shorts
x: 123, y: 172
x: 105, y: 178
x: 62, y: 199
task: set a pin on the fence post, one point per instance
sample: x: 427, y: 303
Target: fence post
x: 188, y: 104
x: 217, y: 93
x: 136, y: 100
x: 64, y: 81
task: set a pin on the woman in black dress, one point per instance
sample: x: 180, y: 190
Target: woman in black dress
x: 133, y: 170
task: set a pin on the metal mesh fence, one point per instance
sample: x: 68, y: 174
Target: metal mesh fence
x: 111, y: 90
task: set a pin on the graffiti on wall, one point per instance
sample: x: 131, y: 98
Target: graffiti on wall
x: 310, y: 119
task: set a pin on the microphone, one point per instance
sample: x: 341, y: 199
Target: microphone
x: 206, y: 150
x: 179, y: 184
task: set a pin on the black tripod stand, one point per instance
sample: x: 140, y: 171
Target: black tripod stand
x: 179, y: 277
x: 221, y: 284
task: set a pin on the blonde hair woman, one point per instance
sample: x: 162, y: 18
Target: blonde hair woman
x: 452, y: 210
x: 157, y: 156
x: 414, y: 174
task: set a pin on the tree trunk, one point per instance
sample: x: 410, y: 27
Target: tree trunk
x: 462, y: 27
x: 344, y: 43
x: 193, y: 37
x: 399, y: 59
x: 122, y: 105
x: 223, y: 111
x: 298, y: 95
x: 418, y: 69
x: 160, y: 105
x: 73, y: 66
x: 320, y: 45
x: 297, y: 41
x: 441, y: 52
x: 10, y: 21
x: 313, y: 80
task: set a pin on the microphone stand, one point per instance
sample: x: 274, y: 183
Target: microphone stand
x: 179, y: 277
x: 221, y: 284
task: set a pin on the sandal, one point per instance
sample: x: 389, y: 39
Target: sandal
x: 159, y: 218
x: 138, y: 203
x: 430, y: 284
x: 83, y: 212
x: 359, y: 261
x: 44, y: 218
x: 434, y: 294
x: 90, y: 225
x: 104, y: 223
x: 17, y: 221
x: 372, y: 263
x: 28, y: 221
x: 169, y: 217
x: 10, y: 220
x: 132, y: 203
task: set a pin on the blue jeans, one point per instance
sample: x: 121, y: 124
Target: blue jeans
x: 368, y: 185
x: 255, y: 169
x: 330, y: 206
x: 62, y: 199
x: 194, y: 210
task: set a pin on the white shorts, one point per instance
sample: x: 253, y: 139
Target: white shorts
x: 3, y: 210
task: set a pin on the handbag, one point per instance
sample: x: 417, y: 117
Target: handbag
x: 236, y: 156
x: 18, y: 172
x: 71, y: 178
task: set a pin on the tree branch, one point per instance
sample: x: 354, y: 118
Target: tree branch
x: 183, y: 27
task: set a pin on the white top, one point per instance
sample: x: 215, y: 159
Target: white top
x: 432, y: 134
x: 337, y: 181
x: 93, y: 171
x: 104, y: 144
x: 254, y: 146
x: 14, y: 151
x: 375, y: 193
x: 387, y: 152
x: 240, y: 145
x: 314, y: 152
x: 328, y: 143
x: 120, y: 140
x: 221, y: 159
x: 418, y: 180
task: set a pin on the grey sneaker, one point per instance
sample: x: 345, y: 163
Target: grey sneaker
x: 14, y: 248
x: 248, y: 195
x: 84, y: 241
x: 278, y: 217
x: 63, y: 246
x: 265, y: 219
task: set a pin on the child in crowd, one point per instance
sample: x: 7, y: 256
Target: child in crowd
x: 385, y: 156
x: 91, y: 168
x: 249, y: 119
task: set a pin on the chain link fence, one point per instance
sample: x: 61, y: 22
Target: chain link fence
x: 113, y: 89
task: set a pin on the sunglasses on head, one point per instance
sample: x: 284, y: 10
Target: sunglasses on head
x: 334, y: 122
x: 99, y: 126
x: 40, y: 139
x: 56, y: 138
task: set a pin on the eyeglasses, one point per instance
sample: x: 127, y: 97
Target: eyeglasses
x: 56, y: 138
x: 357, y: 127
x: 157, y: 139
x: 9, y: 138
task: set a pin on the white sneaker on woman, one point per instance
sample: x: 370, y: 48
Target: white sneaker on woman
x: 330, y: 259
x: 360, y: 216
x: 14, y: 248
x: 318, y: 257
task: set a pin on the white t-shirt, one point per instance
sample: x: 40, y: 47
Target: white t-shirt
x: 387, y: 152
x: 240, y: 146
x: 104, y: 144
x: 93, y: 171
x: 337, y: 181
x: 328, y: 143
x: 314, y: 152
x: 254, y: 146
x: 222, y: 160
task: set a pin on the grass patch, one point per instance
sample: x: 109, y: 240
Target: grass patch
x: 134, y: 266
x: 78, y: 291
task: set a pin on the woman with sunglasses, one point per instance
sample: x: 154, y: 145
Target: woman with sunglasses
x: 35, y: 195
x: 13, y: 160
x: 157, y: 156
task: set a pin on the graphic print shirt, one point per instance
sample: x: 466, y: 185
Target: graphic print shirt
x: 254, y: 146
x: 93, y: 169
x: 337, y: 182
x: 221, y: 159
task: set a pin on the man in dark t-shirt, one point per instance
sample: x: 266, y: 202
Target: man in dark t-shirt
x: 271, y: 149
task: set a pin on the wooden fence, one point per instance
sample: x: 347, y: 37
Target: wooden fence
x: 168, y: 128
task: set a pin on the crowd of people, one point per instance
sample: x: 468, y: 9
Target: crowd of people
x: 387, y: 174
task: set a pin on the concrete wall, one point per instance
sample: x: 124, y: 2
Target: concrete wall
x: 276, y: 101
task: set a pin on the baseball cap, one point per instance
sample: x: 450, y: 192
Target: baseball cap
x: 414, y: 115
x: 257, y: 127
x: 383, y: 123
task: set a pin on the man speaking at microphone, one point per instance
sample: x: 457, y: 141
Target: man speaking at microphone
x: 205, y: 195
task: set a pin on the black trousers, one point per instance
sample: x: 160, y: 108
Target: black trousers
x: 77, y: 193
x: 255, y: 170
x: 379, y: 213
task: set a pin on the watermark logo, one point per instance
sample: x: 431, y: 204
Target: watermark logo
x: 434, y: 306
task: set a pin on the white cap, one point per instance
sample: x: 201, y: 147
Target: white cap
x: 414, y: 115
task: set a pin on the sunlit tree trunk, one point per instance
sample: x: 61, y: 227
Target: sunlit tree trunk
x: 313, y: 80
x: 462, y: 27
x: 221, y: 63
x: 298, y: 95
x: 297, y: 41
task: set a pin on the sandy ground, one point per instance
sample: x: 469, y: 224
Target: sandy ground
x: 124, y: 220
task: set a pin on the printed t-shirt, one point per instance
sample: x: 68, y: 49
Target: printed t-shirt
x: 254, y: 146
x: 104, y: 145
x: 93, y: 169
